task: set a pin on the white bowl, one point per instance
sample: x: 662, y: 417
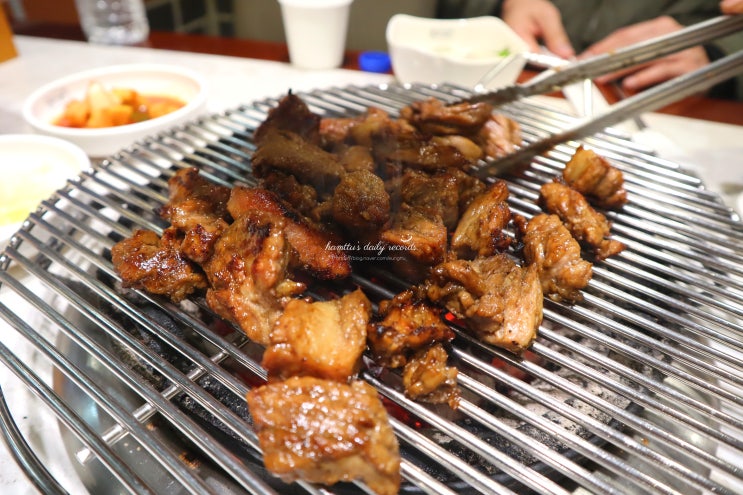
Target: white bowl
x: 33, y: 167
x: 48, y: 102
x: 458, y: 51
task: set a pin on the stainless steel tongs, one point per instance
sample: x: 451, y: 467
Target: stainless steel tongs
x: 648, y: 100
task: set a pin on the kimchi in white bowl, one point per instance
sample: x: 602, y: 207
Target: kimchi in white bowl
x: 109, y: 93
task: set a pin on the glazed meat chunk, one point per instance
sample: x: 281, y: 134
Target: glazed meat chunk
x: 498, y: 301
x: 362, y: 129
x: 427, y: 378
x: 291, y: 114
x: 324, y: 339
x: 301, y: 197
x: 499, y: 136
x: 408, y: 323
x: 584, y: 223
x: 415, y: 241
x: 424, y: 206
x: 323, y: 431
x: 198, y: 209
x: 549, y: 247
x: 193, y: 199
x: 360, y: 203
x: 494, y: 134
x: 469, y: 187
x: 469, y: 149
x: 248, y: 274
x: 435, y: 195
x: 355, y: 158
x: 309, y: 245
x: 593, y: 176
x: 289, y: 153
x: 480, y: 231
x: 145, y: 261
x: 428, y: 153
x: 432, y: 116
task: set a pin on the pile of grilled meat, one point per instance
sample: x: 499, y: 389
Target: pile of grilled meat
x: 340, y: 194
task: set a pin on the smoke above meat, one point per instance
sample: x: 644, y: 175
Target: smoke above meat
x: 370, y: 193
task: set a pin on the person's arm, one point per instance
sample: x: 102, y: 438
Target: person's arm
x: 731, y: 6
x: 535, y: 21
x: 657, y: 71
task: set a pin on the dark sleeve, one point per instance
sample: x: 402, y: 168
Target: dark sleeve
x: 688, y: 12
x: 455, y: 9
x: 498, y: 8
x: 727, y: 90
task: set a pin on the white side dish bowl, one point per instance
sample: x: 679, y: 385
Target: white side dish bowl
x: 47, y: 103
x: 458, y: 51
x: 33, y: 167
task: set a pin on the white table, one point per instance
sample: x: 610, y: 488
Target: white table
x: 714, y: 151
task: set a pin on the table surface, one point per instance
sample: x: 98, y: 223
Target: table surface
x: 711, y: 147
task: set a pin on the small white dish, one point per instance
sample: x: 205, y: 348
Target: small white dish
x: 458, y: 51
x: 33, y: 167
x: 48, y: 102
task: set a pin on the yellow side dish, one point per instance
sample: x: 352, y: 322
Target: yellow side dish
x: 41, y: 172
x: 102, y: 107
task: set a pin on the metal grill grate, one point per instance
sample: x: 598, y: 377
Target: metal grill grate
x: 637, y: 389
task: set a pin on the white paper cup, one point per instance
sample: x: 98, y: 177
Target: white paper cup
x: 315, y: 31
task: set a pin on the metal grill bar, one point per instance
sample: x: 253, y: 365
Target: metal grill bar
x: 636, y: 389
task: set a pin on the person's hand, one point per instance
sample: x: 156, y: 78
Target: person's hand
x: 731, y: 6
x: 536, y: 20
x: 656, y: 71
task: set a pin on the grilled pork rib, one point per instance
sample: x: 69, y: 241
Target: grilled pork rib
x: 555, y: 254
x: 146, y: 261
x: 323, y: 431
x: 498, y: 301
x: 593, y: 176
x: 584, y: 223
x: 198, y: 209
x: 324, y: 339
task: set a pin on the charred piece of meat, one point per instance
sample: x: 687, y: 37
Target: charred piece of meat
x: 248, y: 274
x: 288, y: 152
x: 309, y: 245
x: 323, y: 431
x: 363, y: 130
x: 324, y: 339
x: 301, y: 197
x: 593, y: 176
x: 426, y: 206
x: 290, y: 114
x: 417, y: 241
x: 356, y: 157
x: 433, y: 116
x: 428, y: 153
x: 584, y: 223
x: 361, y: 204
x: 434, y: 195
x: 495, y: 134
x: 480, y: 231
x: 146, y: 261
x: 198, y: 209
x: 407, y: 324
x: 469, y: 187
x: 498, y: 301
x: 427, y: 378
x: 499, y: 136
x: 555, y: 254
